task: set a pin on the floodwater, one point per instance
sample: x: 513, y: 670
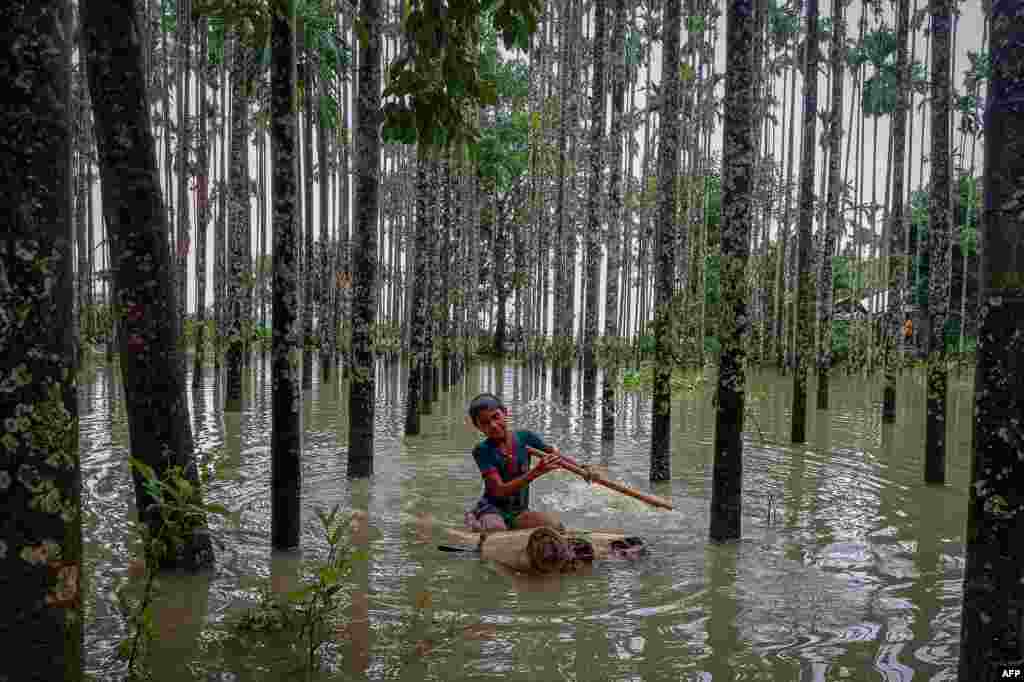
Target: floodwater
x: 854, y: 575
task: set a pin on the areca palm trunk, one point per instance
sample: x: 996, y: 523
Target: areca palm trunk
x: 286, y: 393
x: 159, y: 430
x: 220, y: 235
x: 737, y: 216
x: 971, y: 199
x: 990, y: 639
x: 907, y: 246
x: 202, y: 212
x: 612, y: 329
x: 364, y: 257
x: 344, y: 283
x: 308, y: 256
x: 804, y: 292
x: 168, y: 188
x: 664, y: 255
x: 324, y: 281
x: 835, y: 133
x: 239, y: 216
x: 430, y: 285
x: 597, y: 139
x: 861, y: 270
x: 446, y: 243
x: 896, y: 223
x: 780, y: 279
x: 419, y: 318
x: 43, y: 606
x: 564, y: 304
x: 937, y: 303
x: 183, y: 87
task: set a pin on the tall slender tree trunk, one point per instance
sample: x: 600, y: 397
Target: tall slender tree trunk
x: 990, y: 634
x: 203, y: 210
x: 563, y: 304
x: 325, y: 279
x: 239, y: 248
x: 308, y: 255
x: 737, y: 215
x: 420, y: 284
x: 939, y: 242
x: 664, y: 256
x: 804, y: 292
x: 220, y: 236
x: 183, y: 87
x: 597, y: 141
x: 835, y: 215
x: 286, y: 392
x: 897, y: 257
x: 344, y: 286
x: 447, y: 243
x: 159, y: 430
x: 783, y: 239
x: 364, y: 257
x: 612, y: 327
x: 971, y: 201
x: 40, y: 479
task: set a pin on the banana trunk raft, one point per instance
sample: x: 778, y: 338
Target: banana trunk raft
x: 547, y: 550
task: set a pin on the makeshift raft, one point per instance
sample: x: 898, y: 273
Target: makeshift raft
x: 546, y: 550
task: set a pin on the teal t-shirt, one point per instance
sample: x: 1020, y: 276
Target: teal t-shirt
x: 488, y: 456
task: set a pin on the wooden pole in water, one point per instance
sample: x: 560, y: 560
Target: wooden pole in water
x: 571, y: 465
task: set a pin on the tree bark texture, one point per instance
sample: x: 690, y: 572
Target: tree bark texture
x: 939, y: 240
x: 897, y: 257
x: 238, y: 247
x: 593, y: 233
x: 202, y: 211
x: 990, y: 630
x: 286, y: 347
x: 803, y: 296
x: 418, y: 350
x: 664, y: 255
x: 612, y: 330
x: 834, y: 213
x: 40, y: 477
x: 364, y: 257
x: 154, y: 385
x: 737, y: 217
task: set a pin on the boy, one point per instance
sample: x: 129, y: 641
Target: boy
x: 505, y: 467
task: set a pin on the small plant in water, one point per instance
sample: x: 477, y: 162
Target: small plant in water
x: 175, y: 501
x: 419, y: 634
x: 310, y: 612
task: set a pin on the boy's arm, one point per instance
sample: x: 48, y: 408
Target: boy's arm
x: 497, y: 488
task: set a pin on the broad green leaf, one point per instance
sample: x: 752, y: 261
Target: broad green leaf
x: 143, y: 468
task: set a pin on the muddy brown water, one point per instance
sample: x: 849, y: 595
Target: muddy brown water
x: 849, y: 567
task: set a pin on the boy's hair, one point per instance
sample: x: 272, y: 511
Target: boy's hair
x: 484, y: 401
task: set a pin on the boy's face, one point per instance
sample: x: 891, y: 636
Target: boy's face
x: 492, y: 423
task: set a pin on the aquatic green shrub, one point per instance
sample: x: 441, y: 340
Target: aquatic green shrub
x: 176, y: 502
x: 309, y: 613
x: 641, y: 380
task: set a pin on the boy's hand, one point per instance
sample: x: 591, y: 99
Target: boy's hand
x: 549, y: 462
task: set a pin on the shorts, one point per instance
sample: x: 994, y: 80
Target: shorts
x: 485, y: 506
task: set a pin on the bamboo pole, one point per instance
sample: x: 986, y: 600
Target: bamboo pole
x: 571, y: 465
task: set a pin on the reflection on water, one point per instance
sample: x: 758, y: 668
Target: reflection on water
x: 848, y: 568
